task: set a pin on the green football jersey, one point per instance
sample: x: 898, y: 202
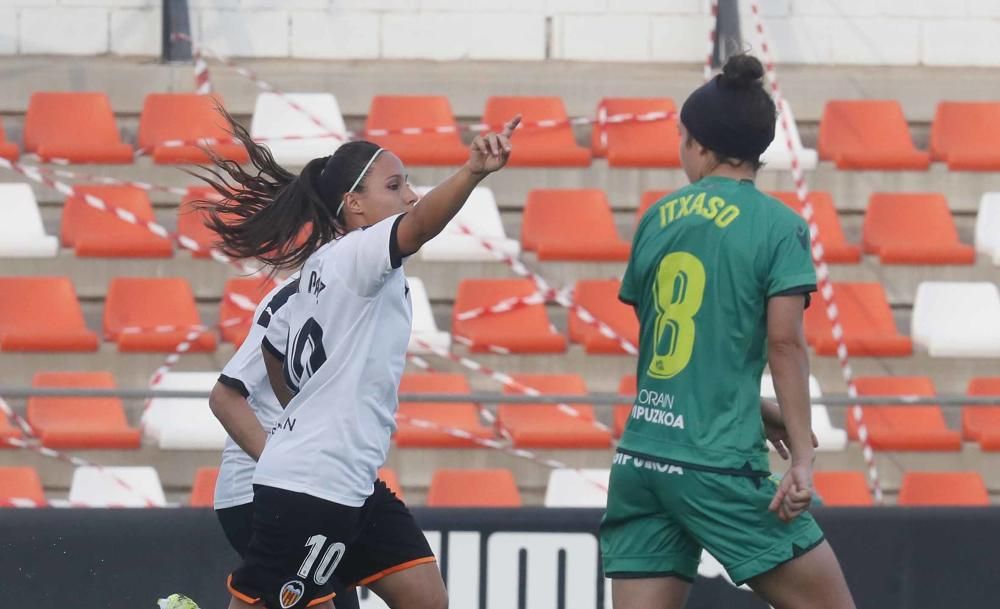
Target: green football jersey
x: 704, y: 262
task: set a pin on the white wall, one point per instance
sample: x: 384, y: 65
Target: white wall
x: 861, y: 32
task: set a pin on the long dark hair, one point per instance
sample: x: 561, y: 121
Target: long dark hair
x: 272, y: 215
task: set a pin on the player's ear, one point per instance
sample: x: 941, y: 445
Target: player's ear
x: 352, y: 203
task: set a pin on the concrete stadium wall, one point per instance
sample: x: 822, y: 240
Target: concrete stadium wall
x: 853, y: 32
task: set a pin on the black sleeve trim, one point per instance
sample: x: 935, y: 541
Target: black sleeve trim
x: 805, y: 290
x: 266, y: 344
x: 395, y: 253
x: 236, y: 384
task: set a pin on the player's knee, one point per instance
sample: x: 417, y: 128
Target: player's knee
x: 438, y: 600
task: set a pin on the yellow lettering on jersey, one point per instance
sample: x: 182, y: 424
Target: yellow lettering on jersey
x: 684, y: 205
x: 714, y: 205
x: 715, y: 209
x: 726, y: 216
x: 698, y: 205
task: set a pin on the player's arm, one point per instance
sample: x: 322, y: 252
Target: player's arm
x: 276, y: 377
x: 230, y: 406
x: 774, y: 427
x: 488, y: 153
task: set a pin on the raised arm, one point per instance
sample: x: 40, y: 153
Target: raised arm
x: 487, y: 153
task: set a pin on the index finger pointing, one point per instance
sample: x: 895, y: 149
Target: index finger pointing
x: 508, y: 129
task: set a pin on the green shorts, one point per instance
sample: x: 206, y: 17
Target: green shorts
x: 660, y: 517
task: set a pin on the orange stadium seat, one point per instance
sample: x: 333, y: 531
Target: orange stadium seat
x: 394, y: 112
x: 8, y: 150
x: 254, y: 289
x: 203, y: 488
x: 842, y: 489
x: 78, y: 127
x: 546, y: 425
x: 867, y: 321
x: 525, y: 329
x: 982, y: 423
x: 187, y: 117
x: 80, y: 422
x: 627, y: 386
x: 868, y: 134
x: 21, y: 483
x: 913, y: 228
x: 494, y: 488
x: 388, y: 475
x: 191, y: 221
x: 965, y: 134
x: 903, y: 428
x: 147, y: 304
x: 102, y: 234
x: 536, y: 146
x: 943, y: 488
x: 463, y: 416
x: 649, y: 198
x: 836, y: 249
x: 571, y: 224
x: 633, y: 143
x: 42, y: 314
x: 600, y: 298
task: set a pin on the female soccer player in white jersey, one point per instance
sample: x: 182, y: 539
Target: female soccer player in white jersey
x: 350, y: 220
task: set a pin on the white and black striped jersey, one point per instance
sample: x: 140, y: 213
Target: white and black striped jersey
x: 246, y: 374
x: 344, y: 353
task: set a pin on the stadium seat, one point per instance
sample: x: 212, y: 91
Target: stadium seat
x: 117, y: 487
x: 21, y: 483
x: 275, y: 118
x: 600, y: 298
x: 495, y: 488
x: 571, y: 224
x: 626, y: 386
x: 8, y: 150
x: 777, y: 155
x: 148, y: 304
x: 78, y: 127
x: 184, y: 423
x: 536, y: 146
x: 395, y: 112
x: 42, y: 314
x: 548, y: 425
x: 868, y: 134
x: 388, y: 475
x: 203, y: 488
x: 830, y: 438
x: 101, y: 234
x: 988, y: 226
x: 185, y: 117
x: 191, y: 221
x: 836, y: 249
x: 424, y: 331
x: 577, y: 488
x: 648, y: 199
x: 867, y: 321
x: 913, y: 228
x: 22, y: 234
x: 526, y: 329
x: 463, y: 416
x: 957, y: 319
x: 251, y: 289
x: 943, y: 488
x: 842, y: 489
x: 982, y: 423
x: 634, y: 143
x: 964, y: 135
x: 482, y: 217
x: 80, y: 422
x: 903, y: 428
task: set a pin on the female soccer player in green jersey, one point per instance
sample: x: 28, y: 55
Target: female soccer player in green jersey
x: 719, y: 275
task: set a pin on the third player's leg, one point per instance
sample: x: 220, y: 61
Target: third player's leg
x: 811, y: 581
x: 419, y: 587
x: 649, y: 593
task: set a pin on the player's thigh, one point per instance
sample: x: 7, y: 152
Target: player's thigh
x: 728, y: 516
x: 814, y: 580
x: 650, y: 593
x: 391, y: 556
x: 641, y: 538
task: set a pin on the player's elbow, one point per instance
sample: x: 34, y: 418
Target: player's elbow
x: 219, y: 400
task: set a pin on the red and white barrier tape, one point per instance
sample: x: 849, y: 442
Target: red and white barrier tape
x: 712, y: 34
x: 202, y: 78
x: 107, y: 180
x: 822, y: 270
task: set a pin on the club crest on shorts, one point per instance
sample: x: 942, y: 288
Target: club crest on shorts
x: 290, y: 593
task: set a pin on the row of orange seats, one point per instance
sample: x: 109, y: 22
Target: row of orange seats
x: 88, y: 423
x: 855, y: 134
x: 558, y: 224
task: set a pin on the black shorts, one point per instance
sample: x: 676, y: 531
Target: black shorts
x: 379, y: 538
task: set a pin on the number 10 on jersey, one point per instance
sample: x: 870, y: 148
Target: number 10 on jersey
x: 677, y: 294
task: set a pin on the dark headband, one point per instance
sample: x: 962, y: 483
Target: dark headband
x: 715, y: 115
